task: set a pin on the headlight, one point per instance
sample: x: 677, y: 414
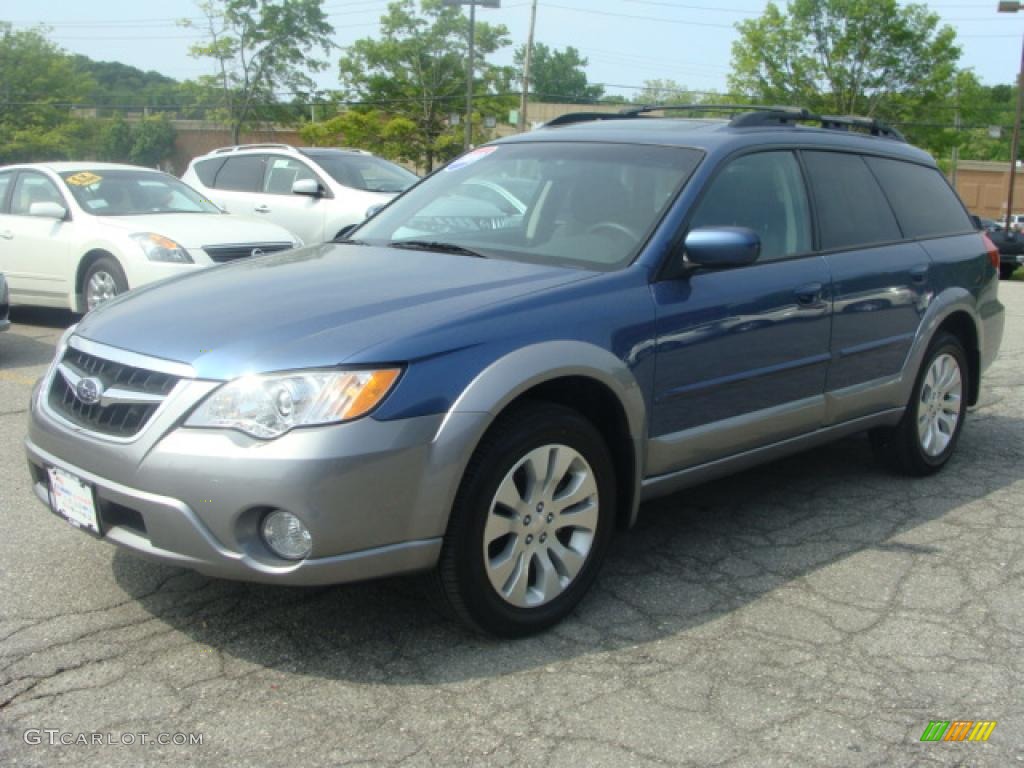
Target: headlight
x: 268, y: 406
x: 160, y: 248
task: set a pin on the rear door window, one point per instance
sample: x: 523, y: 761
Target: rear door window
x: 852, y: 209
x: 242, y: 174
x: 924, y: 203
x: 764, y: 192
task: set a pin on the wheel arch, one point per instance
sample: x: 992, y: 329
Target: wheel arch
x: 961, y: 325
x: 91, y: 257
x: 581, y: 376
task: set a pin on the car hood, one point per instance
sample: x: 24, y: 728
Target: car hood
x: 311, y: 307
x: 195, y: 230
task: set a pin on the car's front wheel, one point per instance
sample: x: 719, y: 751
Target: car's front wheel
x: 103, y: 281
x: 927, y: 434
x: 531, y: 523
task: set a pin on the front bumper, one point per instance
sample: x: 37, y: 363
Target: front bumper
x: 375, y: 495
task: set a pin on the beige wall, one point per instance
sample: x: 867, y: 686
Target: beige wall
x: 983, y: 187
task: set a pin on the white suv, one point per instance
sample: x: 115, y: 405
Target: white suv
x: 313, y: 192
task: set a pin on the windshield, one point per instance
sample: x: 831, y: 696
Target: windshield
x: 587, y: 205
x: 365, y: 172
x: 103, y: 192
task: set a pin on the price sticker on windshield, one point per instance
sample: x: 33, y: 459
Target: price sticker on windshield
x: 83, y: 179
x: 469, y: 159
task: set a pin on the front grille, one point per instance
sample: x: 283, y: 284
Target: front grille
x: 222, y: 253
x: 116, y: 419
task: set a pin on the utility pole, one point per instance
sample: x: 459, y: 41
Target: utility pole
x: 956, y: 146
x: 523, y: 124
x: 468, y: 140
x: 1013, y: 7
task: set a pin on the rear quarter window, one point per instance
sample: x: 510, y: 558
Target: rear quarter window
x: 242, y: 174
x: 852, y: 209
x: 206, y: 170
x: 925, y: 204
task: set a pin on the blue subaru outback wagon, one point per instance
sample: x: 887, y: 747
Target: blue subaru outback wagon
x: 484, y: 380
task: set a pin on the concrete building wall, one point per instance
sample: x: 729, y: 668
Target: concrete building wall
x: 983, y: 187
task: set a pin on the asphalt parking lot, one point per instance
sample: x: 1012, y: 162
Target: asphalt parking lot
x: 816, y: 611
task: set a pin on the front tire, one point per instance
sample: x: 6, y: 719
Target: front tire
x: 103, y: 281
x: 927, y: 435
x: 531, y: 523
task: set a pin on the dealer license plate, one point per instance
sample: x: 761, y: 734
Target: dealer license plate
x: 71, y: 498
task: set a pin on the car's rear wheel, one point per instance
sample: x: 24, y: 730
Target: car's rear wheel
x: 103, y: 281
x: 927, y: 435
x: 531, y: 523
x: 1006, y: 271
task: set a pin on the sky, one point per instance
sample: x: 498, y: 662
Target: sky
x: 625, y: 41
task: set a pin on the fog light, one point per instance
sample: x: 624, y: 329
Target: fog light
x: 286, y: 536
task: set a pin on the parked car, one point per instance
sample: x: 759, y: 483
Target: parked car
x: 679, y: 299
x: 314, y: 193
x: 77, y: 234
x: 1010, y: 245
x: 5, y: 304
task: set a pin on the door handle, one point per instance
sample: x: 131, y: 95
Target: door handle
x: 809, y: 294
x: 262, y: 209
x: 919, y: 274
x: 7, y: 234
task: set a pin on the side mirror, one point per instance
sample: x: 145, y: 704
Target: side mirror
x: 722, y: 247
x: 373, y: 210
x: 308, y: 187
x: 48, y: 211
x: 976, y: 220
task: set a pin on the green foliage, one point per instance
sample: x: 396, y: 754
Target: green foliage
x: 415, y: 70
x: 260, y: 47
x: 147, y: 142
x: 867, y: 57
x: 37, y: 87
x: 661, y: 91
x: 125, y: 87
x: 557, y: 76
x: 373, y: 130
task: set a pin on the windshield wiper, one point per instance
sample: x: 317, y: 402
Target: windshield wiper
x: 435, y: 245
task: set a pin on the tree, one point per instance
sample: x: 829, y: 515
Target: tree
x: 147, y: 142
x: 665, y: 92
x: 37, y: 88
x: 415, y: 70
x: 557, y: 76
x: 868, y: 57
x: 373, y: 130
x: 260, y: 47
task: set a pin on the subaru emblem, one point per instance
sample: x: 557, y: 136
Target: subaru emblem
x: 256, y: 252
x: 89, y: 390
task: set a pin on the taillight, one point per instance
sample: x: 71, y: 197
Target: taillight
x: 993, y: 252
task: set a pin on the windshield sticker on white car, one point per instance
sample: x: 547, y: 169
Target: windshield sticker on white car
x: 83, y: 179
x: 472, y: 157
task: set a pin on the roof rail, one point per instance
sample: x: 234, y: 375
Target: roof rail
x: 645, y: 108
x: 584, y: 117
x: 871, y: 125
x: 751, y: 116
x: 784, y: 115
x: 236, y: 147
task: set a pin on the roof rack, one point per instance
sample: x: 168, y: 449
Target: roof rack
x: 236, y: 147
x: 584, y: 117
x: 750, y: 116
x: 646, y: 108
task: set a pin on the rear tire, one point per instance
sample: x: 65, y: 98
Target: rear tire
x: 1006, y: 271
x: 530, y: 525
x: 103, y: 281
x: 927, y: 435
